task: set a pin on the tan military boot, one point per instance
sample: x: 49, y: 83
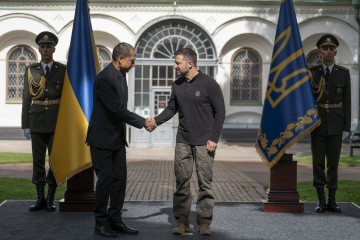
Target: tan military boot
x: 181, y: 229
x: 204, y: 229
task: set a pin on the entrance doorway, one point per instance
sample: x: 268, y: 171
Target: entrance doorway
x: 154, y: 74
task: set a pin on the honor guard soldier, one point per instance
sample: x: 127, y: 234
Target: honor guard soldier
x: 43, y: 84
x: 332, y: 91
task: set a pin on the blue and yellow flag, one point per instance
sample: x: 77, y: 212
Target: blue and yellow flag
x: 70, y: 155
x: 289, y: 111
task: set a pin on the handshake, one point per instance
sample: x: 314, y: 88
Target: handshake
x: 150, y: 124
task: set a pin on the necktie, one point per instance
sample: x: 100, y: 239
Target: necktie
x: 47, y: 69
x: 327, y: 74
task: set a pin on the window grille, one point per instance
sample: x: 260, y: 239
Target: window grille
x: 246, y: 77
x: 313, y: 58
x: 17, y: 59
x: 104, y: 56
x: 155, y: 57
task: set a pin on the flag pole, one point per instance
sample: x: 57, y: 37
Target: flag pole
x: 70, y: 158
x: 79, y: 195
x: 282, y: 195
x: 289, y: 113
x: 356, y: 4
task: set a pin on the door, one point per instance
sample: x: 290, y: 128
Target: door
x: 152, y: 92
x: 164, y: 135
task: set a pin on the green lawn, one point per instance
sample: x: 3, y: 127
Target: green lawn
x: 20, y: 189
x: 23, y: 189
x: 344, y: 160
x: 6, y: 157
x: 348, y: 191
x: 26, y: 157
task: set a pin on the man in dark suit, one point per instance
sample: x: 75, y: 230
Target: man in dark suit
x: 107, y: 140
x: 43, y: 84
x: 331, y: 87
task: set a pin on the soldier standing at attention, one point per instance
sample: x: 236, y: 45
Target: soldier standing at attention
x: 43, y: 84
x: 331, y: 87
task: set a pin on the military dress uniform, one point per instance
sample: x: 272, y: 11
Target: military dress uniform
x: 41, y: 98
x: 333, y: 100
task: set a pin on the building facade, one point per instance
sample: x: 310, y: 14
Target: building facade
x: 233, y: 39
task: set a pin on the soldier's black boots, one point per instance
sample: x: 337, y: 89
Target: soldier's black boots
x: 50, y: 204
x: 320, y: 208
x: 40, y: 202
x: 331, y: 205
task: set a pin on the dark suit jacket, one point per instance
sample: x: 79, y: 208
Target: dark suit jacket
x: 334, y: 120
x: 42, y: 118
x: 107, y: 127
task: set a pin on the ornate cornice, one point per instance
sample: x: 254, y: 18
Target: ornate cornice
x: 184, y: 2
x: 185, y: 9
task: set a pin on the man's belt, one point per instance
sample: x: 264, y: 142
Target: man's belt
x: 46, y: 102
x: 329, y: 105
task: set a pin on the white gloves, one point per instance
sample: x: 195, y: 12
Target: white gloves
x: 345, y: 135
x: 27, y: 133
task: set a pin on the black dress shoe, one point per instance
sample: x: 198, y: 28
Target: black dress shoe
x: 123, y: 228
x: 105, y: 231
x: 320, y: 208
x: 50, y: 205
x: 333, y: 208
x: 40, y: 204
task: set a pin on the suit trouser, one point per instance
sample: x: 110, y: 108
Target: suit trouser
x: 111, y: 172
x: 39, y: 143
x: 185, y: 155
x: 328, y: 147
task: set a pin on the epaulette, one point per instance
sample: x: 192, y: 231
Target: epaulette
x: 61, y: 64
x: 342, y: 68
x: 32, y: 65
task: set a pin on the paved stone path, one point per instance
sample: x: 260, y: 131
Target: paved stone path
x: 155, y: 181
x: 239, y: 174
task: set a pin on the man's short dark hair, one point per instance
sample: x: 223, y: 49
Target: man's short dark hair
x: 188, y: 54
x: 122, y: 49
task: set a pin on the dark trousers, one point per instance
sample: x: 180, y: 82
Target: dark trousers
x: 111, y: 172
x: 40, y: 142
x: 328, y: 147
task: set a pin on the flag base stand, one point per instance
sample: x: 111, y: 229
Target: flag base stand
x: 80, y: 194
x: 282, y: 195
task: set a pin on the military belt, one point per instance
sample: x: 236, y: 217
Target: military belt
x: 46, y: 102
x: 329, y: 105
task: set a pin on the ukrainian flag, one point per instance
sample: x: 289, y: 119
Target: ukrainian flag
x: 289, y: 111
x: 70, y: 155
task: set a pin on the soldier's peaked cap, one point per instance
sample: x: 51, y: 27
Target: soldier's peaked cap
x: 46, y: 37
x: 327, y: 40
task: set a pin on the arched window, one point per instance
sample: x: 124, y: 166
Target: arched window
x: 163, y: 39
x: 155, y: 59
x: 245, y: 77
x: 17, y: 59
x: 313, y: 58
x: 104, y: 56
